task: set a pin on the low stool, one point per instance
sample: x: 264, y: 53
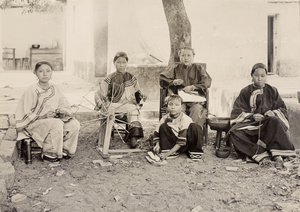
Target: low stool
x: 220, y: 124
x: 120, y: 126
x: 28, y: 147
x: 18, y: 63
x: 25, y: 63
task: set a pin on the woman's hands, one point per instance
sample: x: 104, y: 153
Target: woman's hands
x: 58, y: 113
x: 177, y: 82
x: 188, y: 89
x: 50, y: 114
x: 269, y: 113
x: 257, y: 116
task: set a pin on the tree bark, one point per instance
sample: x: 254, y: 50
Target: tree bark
x: 179, y: 27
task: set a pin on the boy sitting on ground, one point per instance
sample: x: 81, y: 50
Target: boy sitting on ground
x: 176, y: 132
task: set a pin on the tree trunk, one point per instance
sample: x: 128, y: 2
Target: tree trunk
x: 179, y: 27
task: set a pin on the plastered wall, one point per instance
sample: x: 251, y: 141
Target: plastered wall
x: 20, y: 31
x: 230, y: 36
x: 289, y: 36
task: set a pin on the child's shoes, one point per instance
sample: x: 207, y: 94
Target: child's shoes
x: 153, y: 156
x: 195, y: 155
x: 174, y: 155
x: 66, y: 156
x: 47, y: 158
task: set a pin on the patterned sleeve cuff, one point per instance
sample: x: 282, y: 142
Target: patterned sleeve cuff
x: 181, y: 141
x: 156, y: 138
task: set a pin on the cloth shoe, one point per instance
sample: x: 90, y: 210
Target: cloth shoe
x: 153, y: 156
x: 47, y: 158
x: 66, y: 156
x: 265, y: 162
x: 174, y: 155
x: 133, y: 143
x: 195, y: 155
x: 279, y: 162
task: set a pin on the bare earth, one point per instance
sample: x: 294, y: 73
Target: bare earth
x: 133, y: 184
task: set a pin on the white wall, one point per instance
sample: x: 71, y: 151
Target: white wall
x: 82, y: 30
x: 139, y: 28
x: 230, y: 36
x: 20, y: 31
x: 80, y: 46
x: 288, y: 27
x: 1, y: 68
x: 289, y: 35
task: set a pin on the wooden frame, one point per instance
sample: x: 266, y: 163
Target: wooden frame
x: 106, y: 127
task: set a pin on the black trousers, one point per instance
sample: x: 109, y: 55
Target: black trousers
x: 194, y: 138
x: 272, y: 133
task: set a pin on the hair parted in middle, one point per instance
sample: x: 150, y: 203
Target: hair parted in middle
x: 186, y: 48
x: 39, y: 64
x: 259, y: 65
x: 120, y: 54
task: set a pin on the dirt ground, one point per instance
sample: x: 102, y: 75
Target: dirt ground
x: 131, y: 183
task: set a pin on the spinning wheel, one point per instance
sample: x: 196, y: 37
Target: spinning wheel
x: 108, y: 123
x: 108, y: 116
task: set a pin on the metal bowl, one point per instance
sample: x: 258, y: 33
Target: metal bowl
x: 35, y: 46
x: 223, y: 153
x: 219, y: 123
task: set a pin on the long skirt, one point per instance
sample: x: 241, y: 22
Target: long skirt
x: 55, y: 136
x: 271, y: 139
x: 194, y: 139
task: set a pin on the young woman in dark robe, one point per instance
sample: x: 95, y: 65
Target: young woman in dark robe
x: 259, y: 122
x: 188, y: 77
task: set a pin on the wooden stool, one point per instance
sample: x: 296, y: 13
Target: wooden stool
x: 10, y: 63
x: 18, y: 63
x: 8, y: 55
x: 120, y: 127
x: 220, y: 124
x: 29, y: 147
x: 25, y: 63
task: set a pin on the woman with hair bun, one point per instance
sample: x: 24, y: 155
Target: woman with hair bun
x: 259, y: 122
x: 121, y: 91
x: 44, y: 114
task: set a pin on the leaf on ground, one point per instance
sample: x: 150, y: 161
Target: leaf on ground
x: 47, y: 191
x: 60, y: 173
x: 69, y: 195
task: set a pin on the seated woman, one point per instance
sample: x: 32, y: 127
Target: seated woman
x: 121, y: 91
x: 44, y: 114
x: 260, y: 122
x: 189, y: 77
